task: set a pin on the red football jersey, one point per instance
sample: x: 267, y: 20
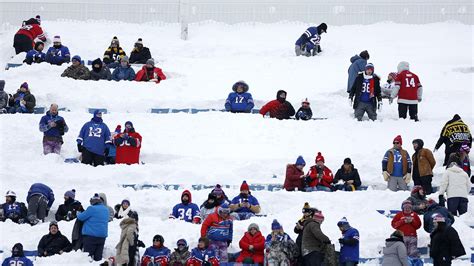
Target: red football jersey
x: 126, y: 153
x: 32, y: 31
x: 409, y: 85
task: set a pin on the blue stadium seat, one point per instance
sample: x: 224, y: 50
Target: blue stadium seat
x: 39, y: 110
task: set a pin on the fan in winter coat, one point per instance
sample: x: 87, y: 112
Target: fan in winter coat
x: 279, y: 108
x: 252, y: 245
x: 139, y: 54
x: 456, y: 185
x: 348, y: 175
x: 418, y: 200
x: 100, y: 71
x: 68, y: 211
x: 407, y: 221
x: 157, y: 254
x: 77, y: 70
x: 319, y: 177
x: 127, y: 250
x: 22, y: 101
x: 454, y: 133
x: 358, y: 63
x: 294, y: 175
x: 123, y: 71
x: 239, y: 101
x: 395, y: 252
x: 445, y: 244
x: 150, y: 73
x: 181, y: 254
x: 54, y: 242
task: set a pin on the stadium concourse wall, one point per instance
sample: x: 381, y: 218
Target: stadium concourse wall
x: 185, y: 12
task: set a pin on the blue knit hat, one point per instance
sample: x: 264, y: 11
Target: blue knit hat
x: 300, y: 161
x: 78, y: 58
x: 343, y: 222
x: 369, y: 65
x: 276, y: 225
x: 182, y: 242
x: 125, y: 200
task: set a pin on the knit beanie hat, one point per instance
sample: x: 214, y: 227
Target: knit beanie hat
x: 403, y: 66
x: 398, y: 139
x: 397, y: 234
x: 57, y: 38
x: 343, y: 222
x: 182, y: 242
x: 319, y: 217
x: 218, y: 190
x: 276, y: 225
x: 407, y: 204
x: 438, y: 218
x: 465, y: 148
x: 347, y: 161
x: 300, y: 161
x: 139, y: 41
x: 126, y: 201
x: 53, y: 223
x: 70, y: 193
x: 150, y: 61
x: 253, y: 225
x: 24, y: 85
x: 364, y: 54
x: 244, y: 186
x: 369, y: 66
x: 319, y: 158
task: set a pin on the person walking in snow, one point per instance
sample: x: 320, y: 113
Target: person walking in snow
x: 304, y: 113
x: 456, y: 185
x: 308, y: 213
x: 127, y: 247
x: 94, y: 140
x: 279, y: 108
x: 409, y: 91
x: 453, y: 135
x: 245, y: 205
x: 294, y: 178
x: 365, y: 94
x: 186, y: 210
x: 396, y: 166
x: 358, y: 63
x: 240, y: 100
x: 423, y: 165
x: 53, y: 127
x: 319, y: 177
x: 314, y: 241
x: 70, y: 208
x: 407, y: 221
x: 308, y: 44
x: 349, y: 253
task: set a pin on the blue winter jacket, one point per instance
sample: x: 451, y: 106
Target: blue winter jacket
x: 41, y: 189
x: 51, y: 131
x: 96, y: 220
x: 239, y: 102
x: 350, y: 252
x: 33, y: 55
x: 94, y: 137
x: 358, y: 65
x: 21, y: 261
x: 310, y: 38
x: 58, y: 56
x: 123, y: 73
x: 239, y: 199
x: 432, y: 210
x: 203, y: 254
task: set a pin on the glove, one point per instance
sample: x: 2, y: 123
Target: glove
x: 228, y: 242
x: 106, y: 151
x: 379, y: 106
x: 442, y: 200
x: 140, y: 244
x: 407, y: 178
x: 390, y: 100
x: 386, y: 175
x: 342, y: 241
x: 79, y: 147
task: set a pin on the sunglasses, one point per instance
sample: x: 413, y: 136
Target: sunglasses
x: 396, y: 142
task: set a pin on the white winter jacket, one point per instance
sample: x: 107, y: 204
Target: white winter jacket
x: 455, y: 183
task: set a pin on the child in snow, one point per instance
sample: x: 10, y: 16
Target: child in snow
x: 387, y: 88
x: 122, y: 210
x: 304, y: 113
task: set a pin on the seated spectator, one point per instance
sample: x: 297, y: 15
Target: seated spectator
x: 347, y: 177
x: 252, y: 245
x: 181, y: 254
x: 40, y: 199
x: 294, y: 175
x: 127, y: 248
x: 18, y: 257
x: 13, y: 210
x: 122, y: 210
x: 433, y: 209
x: 139, y: 54
x: 100, y: 71
x: 128, y: 145
x: 387, y: 88
x: 53, y: 127
x: 150, y: 73
x: 203, y: 255
x: 69, y: 209
x: 3, y: 98
x: 157, y: 254
x: 319, y: 177
x: 54, y: 242
x: 244, y: 205
x: 22, y: 101
x: 36, y: 54
x: 218, y: 227
x: 124, y: 71
x: 279, y: 108
x: 58, y: 53
x: 418, y: 200
x: 113, y: 54
x: 221, y: 197
x: 280, y: 248
x: 304, y: 113
x: 209, y: 206
x: 186, y: 210
x: 408, y: 222
x: 77, y: 70
x: 239, y: 101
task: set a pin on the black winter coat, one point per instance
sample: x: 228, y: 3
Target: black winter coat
x: 72, y: 206
x: 445, y: 245
x: 352, y: 175
x: 53, y: 244
x: 357, y: 90
x: 428, y: 216
x: 104, y: 73
x: 29, y: 99
x: 140, y: 57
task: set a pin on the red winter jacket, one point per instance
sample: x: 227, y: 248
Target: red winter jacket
x: 33, y: 31
x: 293, y: 178
x: 325, y: 180
x: 408, y: 229
x: 126, y: 153
x: 142, y: 75
x: 278, y: 110
x: 258, y: 243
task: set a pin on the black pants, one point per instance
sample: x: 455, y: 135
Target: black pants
x: 411, y: 108
x: 457, y: 205
x: 22, y: 43
x: 313, y: 259
x: 425, y: 182
x: 37, y: 208
x: 94, y: 246
x: 92, y: 158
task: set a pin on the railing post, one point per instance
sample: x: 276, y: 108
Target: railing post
x: 184, y: 18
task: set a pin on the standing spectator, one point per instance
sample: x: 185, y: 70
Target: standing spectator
x: 157, y: 254
x: 93, y: 140
x: 456, y: 185
x: 245, y: 205
x: 71, y: 207
x: 418, y: 199
x: 100, y: 71
x: 279, y: 247
x: 308, y: 44
x: 294, y: 175
x: 252, y: 245
x: 203, y: 255
x: 395, y: 252
x: 58, y: 54
x: 13, y: 210
x: 358, y: 63
x: 445, y: 244
x: 113, y: 54
x: 348, y: 176
x: 186, y: 210
x: 127, y: 247
x: 24, y: 39
x: 53, y: 127
x: 181, y: 253
x: 123, y: 71
x: 18, y: 257
x: 3, y: 98
x: 319, y: 177
x: 35, y: 55
x: 208, y: 206
x: 314, y: 240
x: 103, y: 197
x: 279, y: 108
x: 22, y: 101
x: 396, y: 166
x: 122, y: 209
x: 308, y: 213
x: 54, y: 242
x: 349, y: 254
x: 139, y: 54
x: 218, y: 227
x: 387, y: 88
x: 239, y: 101
x: 408, y: 222
x: 128, y: 145
x: 95, y: 228
x: 423, y: 164
x: 454, y: 134
x: 365, y: 94
x: 40, y: 198
x: 409, y: 91
x: 150, y: 73
x: 434, y: 209
x: 304, y: 113
x: 463, y: 154
x: 77, y: 70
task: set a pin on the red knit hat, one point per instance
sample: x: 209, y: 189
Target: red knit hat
x: 319, y: 158
x: 244, y: 186
x: 318, y: 216
x: 398, y: 139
